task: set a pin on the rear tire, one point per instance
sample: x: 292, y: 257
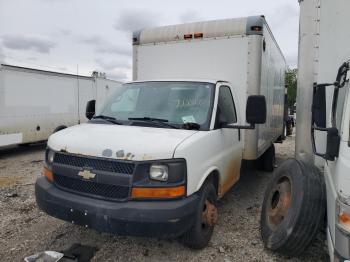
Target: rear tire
x: 293, y: 209
x: 269, y: 159
x: 289, y: 128
x: 199, y: 235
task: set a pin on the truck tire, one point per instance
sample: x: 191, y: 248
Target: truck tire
x: 289, y: 128
x: 293, y: 208
x: 199, y: 235
x: 269, y: 159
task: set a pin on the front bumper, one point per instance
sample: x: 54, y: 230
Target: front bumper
x: 169, y: 218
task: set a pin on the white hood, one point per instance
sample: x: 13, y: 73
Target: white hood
x: 119, y: 142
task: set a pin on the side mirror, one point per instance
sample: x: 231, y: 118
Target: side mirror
x: 333, y: 144
x: 342, y: 74
x: 90, y: 109
x: 319, y: 106
x: 256, y: 110
x: 255, y: 113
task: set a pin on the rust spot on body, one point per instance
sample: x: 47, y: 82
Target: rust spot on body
x: 231, y: 176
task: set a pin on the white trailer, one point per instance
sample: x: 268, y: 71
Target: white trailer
x: 36, y: 103
x: 157, y: 156
x: 290, y: 216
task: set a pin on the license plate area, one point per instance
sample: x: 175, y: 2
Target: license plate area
x: 79, y: 217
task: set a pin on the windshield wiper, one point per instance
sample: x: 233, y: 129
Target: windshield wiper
x: 110, y: 119
x: 158, y: 121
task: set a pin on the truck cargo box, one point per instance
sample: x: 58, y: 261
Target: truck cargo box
x: 241, y: 51
x: 35, y: 103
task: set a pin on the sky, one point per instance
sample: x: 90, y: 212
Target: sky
x: 86, y: 35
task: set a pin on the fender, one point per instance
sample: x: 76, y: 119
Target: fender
x: 206, y: 175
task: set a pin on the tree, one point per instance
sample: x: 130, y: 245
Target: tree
x: 291, y: 84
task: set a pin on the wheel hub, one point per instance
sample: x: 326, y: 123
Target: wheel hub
x: 280, y: 202
x: 210, y: 214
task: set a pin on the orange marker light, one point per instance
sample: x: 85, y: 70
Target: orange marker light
x: 344, y: 218
x: 198, y: 35
x: 164, y: 192
x: 256, y: 28
x: 188, y: 36
x: 48, y: 174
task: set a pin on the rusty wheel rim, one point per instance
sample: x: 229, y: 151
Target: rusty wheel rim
x: 279, y: 203
x: 209, y: 214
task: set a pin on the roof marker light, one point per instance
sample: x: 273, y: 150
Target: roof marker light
x: 256, y: 28
x: 198, y: 35
x: 188, y: 36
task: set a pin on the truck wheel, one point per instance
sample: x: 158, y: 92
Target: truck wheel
x: 269, y: 159
x: 198, y: 236
x: 293, y: 208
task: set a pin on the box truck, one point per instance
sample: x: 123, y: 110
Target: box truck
x: 156, y: 157
x: 36, y: 103
x: 313, y: 190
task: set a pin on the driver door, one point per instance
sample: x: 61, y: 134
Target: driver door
x: 230, y: 139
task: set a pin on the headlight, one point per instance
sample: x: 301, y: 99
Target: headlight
x: 159, y: 172
x: 344, y: 216
x: 50, y: 156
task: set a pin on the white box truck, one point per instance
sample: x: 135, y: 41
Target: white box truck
x: 157, y: 156
x: 313, y: 190
x: 35, y: 103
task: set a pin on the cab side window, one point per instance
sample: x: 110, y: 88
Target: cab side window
x: 226, y: 107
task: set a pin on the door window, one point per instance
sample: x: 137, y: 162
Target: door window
x: 226, y: 106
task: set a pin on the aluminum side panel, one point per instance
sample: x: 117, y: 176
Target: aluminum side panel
x: 265, y: 76
x: 34, y: 103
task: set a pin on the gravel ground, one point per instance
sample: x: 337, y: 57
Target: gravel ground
x: 25, y: 230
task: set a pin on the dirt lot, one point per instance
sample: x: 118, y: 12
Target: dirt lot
x: 25, y: 230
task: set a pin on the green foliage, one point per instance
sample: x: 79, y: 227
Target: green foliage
x: 291, y: 83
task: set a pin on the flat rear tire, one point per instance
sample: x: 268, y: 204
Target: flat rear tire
x: 293, y: 208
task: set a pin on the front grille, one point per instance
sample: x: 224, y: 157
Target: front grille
x: 95, y: 163
x: 92, y: 188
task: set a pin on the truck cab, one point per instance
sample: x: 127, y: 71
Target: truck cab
x: 152, y: 162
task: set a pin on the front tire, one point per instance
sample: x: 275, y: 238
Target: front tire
x: 199, y: 235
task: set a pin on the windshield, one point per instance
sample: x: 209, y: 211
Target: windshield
x: 174, y: 102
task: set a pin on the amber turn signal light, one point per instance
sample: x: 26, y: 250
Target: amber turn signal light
x: 256, y: 28
x: 344, y: 218
x: 188, y: 36
x: 198, y: 35
x: 164, y: 192
x: 48, y: 174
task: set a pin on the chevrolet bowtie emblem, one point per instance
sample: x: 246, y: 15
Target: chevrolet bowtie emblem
x: 86, y: 174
